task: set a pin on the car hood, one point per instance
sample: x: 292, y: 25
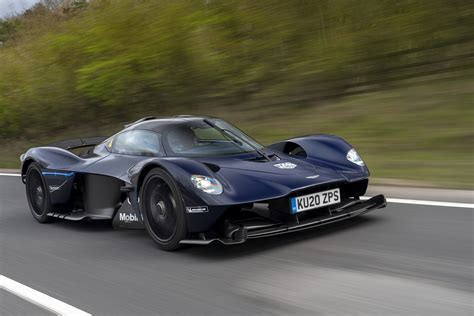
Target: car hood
x: 246, y: 179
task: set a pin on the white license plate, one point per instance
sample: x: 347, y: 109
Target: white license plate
x: 315, y: 200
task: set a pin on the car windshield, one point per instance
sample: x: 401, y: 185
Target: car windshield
x: 197, y: 138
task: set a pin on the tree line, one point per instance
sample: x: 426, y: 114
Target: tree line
x: 96, y: 61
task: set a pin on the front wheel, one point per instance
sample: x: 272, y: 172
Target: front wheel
x: 37, y: 194
x: 163, y: 210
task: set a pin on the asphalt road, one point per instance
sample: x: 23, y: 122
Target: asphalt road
x: 405, y: 259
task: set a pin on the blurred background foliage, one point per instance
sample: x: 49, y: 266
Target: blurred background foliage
x: 394, y: 77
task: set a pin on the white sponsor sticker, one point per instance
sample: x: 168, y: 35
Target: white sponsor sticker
x: 128, y: 218
x: 197, y: 209
x: 285, y: 165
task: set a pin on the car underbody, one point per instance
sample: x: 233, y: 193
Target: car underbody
x: 254, y: 225
x: 274, y: 217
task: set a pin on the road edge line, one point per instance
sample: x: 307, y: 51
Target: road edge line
x: 39, y: 299
x: 425, y: 202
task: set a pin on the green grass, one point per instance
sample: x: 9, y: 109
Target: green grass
x: 423, y: 133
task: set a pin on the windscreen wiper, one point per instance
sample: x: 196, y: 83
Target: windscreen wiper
x: 236, y: 138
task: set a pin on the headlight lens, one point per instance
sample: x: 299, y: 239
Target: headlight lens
x: 207, y: 184
x: 354, y: 157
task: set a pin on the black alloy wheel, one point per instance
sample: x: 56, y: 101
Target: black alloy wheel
x: 162, y: 208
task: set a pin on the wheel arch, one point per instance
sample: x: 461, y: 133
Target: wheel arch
x: 322, y: 149
x: 178, y: 169
x: 144, y: 171
x: 24, y: 167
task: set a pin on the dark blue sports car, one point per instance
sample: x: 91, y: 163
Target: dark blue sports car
x: 196, y: 180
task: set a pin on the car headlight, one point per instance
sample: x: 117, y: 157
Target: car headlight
x: 354, y: 157
x: 207, y: 184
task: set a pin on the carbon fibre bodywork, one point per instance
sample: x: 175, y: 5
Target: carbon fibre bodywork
x: 100, y: 184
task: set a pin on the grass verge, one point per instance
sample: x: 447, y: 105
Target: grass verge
x: 422, y: 132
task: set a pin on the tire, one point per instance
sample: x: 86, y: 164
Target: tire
x: 37, y: 194
x: 162, y: 207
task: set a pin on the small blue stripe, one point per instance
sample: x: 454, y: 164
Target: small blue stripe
x: 55, y: 173
x: 293, y: 206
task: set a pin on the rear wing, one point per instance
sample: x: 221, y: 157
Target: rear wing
x: 79, y: 142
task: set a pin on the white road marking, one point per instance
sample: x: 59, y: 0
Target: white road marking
x: 424, y: 202
x: 40, y: 299
x: 391, y: 200
x: 10, y: 174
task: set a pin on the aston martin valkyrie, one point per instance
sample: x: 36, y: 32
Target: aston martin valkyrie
x: 197, y: 180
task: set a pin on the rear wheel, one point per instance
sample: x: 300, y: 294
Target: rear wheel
x: 162, y: 208
x: 37, y: 194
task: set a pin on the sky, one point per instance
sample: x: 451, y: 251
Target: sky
x: 10, y: 7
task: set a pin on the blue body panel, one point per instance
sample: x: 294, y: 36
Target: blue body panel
x: 245, y: 179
